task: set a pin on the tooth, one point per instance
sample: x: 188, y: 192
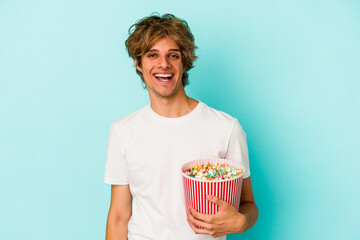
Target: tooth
x: 163, y: 75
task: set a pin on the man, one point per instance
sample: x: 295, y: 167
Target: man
x: 147, y: 148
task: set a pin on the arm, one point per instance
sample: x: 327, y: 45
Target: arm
x: 119, y: 213
x: 247, y: 204
x: 228, y: 220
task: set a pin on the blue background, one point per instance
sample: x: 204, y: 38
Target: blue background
x: 288, y: 70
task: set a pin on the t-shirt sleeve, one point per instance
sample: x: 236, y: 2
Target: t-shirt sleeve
x: 116, y: 166
x: 238, y: 149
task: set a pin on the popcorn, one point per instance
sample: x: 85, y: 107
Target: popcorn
x: 213, y: 172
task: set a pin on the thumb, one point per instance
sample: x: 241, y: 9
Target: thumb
x: 217, y: 201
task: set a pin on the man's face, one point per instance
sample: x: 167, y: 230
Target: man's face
x: 162, y: 69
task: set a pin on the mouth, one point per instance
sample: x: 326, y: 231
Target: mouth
x: 164, y: 77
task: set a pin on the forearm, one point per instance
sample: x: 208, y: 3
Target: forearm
x: 250, y: 210
x: 116, y: 229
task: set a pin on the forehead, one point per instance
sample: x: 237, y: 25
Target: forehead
x: 164, y: 44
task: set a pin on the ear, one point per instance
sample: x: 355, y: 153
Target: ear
x: 137, y: 65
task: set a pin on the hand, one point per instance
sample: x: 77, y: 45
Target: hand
x: 226, y: 221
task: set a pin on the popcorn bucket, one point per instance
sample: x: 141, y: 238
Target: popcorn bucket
x: 196, y: 190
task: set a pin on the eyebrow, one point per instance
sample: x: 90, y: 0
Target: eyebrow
x: 170, y: 50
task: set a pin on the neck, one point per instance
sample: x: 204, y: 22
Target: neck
x: 173, y: 107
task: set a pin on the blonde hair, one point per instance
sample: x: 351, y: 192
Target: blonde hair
x: 145, y: 32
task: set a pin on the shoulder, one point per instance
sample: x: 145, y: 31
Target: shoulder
x: 131, y: 120
x: 221, y: 119
x: 218, y: 116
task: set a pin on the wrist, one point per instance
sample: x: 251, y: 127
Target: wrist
x: 243, y: 222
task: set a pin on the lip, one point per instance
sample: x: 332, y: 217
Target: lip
x: 163, y: 82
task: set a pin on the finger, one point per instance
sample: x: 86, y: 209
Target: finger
x: 217, y: 201
x: 196, y: 229
x: 197, y: 222
x: 196, y: 214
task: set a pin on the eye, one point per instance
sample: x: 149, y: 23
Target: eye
x: 152, y: 55
x: 174, y: 56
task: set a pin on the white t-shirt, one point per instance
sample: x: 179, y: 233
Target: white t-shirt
x: 147, y: 151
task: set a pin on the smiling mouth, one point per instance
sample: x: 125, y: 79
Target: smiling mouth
x: 164, y: 77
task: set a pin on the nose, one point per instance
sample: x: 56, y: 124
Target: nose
x: 164, y: 62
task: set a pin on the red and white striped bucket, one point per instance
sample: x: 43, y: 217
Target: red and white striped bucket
x: 197, y: 190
